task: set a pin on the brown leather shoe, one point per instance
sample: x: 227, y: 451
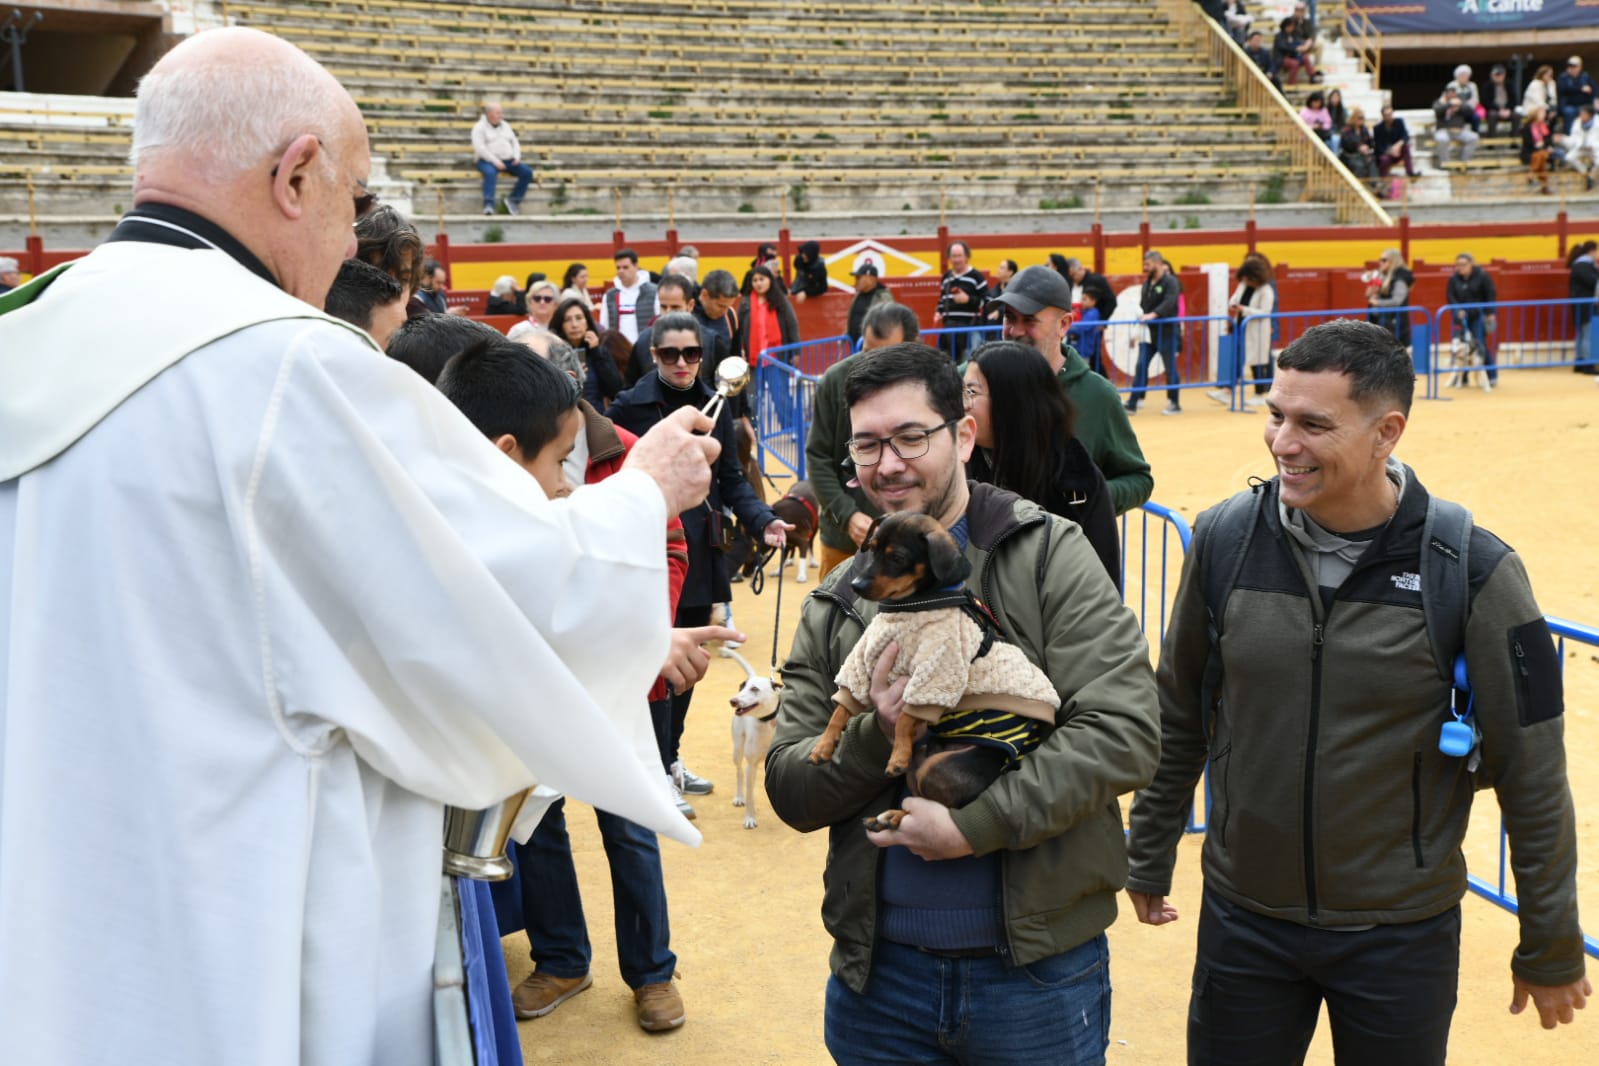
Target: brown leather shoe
x: 660, y: 1008
x: 542, y: 993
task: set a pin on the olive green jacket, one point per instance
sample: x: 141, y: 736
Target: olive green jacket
x: 1055, y: 819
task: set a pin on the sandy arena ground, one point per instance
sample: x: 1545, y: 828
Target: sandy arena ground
x: 745, y: 905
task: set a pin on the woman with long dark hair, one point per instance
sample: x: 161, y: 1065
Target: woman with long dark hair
x: 1025, y: 444
x: 575, y: 284
x: 765, y: 317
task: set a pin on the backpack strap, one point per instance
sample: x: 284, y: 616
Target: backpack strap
x: 1225, y: 539
x: 1445, y: 578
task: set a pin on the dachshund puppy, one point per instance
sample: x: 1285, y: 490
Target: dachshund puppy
x: 979, y: 693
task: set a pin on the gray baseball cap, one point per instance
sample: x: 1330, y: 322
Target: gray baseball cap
x: 1036, y: 288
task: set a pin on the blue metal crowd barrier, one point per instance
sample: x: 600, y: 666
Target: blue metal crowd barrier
x: 785, y: 399
x: 1236, y: 377
x: 812, y: 357
x: 1159, y: 555
x: 1498, y: 892
x: 960, y: 341
x: 1520, y: 334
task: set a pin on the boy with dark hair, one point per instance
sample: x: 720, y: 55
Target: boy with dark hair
x: 367, y: 298
x: 532, y: 412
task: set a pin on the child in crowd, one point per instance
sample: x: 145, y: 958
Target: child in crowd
x: 530, y: 411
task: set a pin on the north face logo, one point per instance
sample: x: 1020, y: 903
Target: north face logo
x: 1408, y: 582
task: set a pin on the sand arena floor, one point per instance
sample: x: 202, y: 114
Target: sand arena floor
x: 745, y: 905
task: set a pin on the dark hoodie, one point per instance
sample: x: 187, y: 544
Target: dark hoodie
x: 810, y: 272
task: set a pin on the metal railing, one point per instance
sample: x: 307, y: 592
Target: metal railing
x: 1325, y: 178
x: 1364, y: 40
x: 1289, y: 326
x: 785, y: 400
x: 1515, y: 334
x: 1497, y: 892
x: 960, y: 341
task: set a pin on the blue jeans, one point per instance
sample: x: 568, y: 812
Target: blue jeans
x: 554, y: 909
x: 924, y: 1008
x: 524, y: 175
x: 1166, y: 344
x: 1583, y: 314
x: 1476, y: 324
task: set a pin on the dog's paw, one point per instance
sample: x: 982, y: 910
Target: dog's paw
x: 749, y: 821
x: 895, y: 767
x: 887, y: 822
x: 738, y: 801
x: 821, y: 753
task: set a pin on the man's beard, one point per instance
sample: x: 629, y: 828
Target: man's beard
x: 934, y: 506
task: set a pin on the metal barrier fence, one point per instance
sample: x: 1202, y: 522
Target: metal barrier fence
x: 1496, y: 892
x: 960, y: 341
x: 811, y: 357
x: 1237, y: 377
x: 784, y: 402
x: 1155, y: 557
x: 1517, y: 334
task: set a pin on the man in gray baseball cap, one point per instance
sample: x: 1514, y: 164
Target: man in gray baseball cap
x: 1037, y: 306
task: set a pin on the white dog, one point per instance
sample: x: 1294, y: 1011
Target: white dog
x: 754, y: 722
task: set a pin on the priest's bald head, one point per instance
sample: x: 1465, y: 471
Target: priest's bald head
x: 250, y: 132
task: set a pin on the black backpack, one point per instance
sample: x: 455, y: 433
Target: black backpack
x: 1445, y: 577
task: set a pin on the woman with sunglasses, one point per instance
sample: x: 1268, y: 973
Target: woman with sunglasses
x: 1025, y: 444
x: 541, y: 298
x: 677, y: 349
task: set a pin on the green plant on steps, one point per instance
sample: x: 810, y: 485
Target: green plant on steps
x: 494, y: 234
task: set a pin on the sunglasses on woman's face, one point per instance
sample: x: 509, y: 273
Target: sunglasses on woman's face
x: 689, y: 355
x: 543, y: 299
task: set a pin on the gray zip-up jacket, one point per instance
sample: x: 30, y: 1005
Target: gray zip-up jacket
x: 1332, y: 804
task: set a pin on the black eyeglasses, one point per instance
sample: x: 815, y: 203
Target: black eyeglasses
x: 690, y: 355
x: 907, y: 444
x: 543, y: 299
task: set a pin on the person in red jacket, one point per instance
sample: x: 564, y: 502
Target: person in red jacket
x: 532, y: 412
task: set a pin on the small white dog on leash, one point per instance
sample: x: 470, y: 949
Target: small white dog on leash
x: 754, y: 722
x: 1465, y: 355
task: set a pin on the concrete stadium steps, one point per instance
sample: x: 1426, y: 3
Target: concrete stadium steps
x: 895, y: 105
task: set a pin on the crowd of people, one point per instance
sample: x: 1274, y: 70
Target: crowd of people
x: 302, y: 559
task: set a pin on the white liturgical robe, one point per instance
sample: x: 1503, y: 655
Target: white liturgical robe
x: 258, y: 624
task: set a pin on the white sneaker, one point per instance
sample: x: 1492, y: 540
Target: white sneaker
x: 1221, y: 396
x: 1172, y: 409
x: 683, y: 807
x: 690, y: 783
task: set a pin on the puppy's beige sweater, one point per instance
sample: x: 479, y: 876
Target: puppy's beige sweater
x: 936, y: 649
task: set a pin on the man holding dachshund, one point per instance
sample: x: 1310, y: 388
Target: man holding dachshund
x: 977, y: 931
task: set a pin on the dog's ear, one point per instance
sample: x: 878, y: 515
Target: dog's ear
x: 944, y: 558
x: 776, y: 683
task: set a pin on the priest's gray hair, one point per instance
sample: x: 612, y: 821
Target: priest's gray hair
x: 223, y: 118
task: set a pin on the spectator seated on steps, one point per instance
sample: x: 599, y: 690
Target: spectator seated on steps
x: 1357, y: 149
x: 1470, y: 98
x: 1582, y: 145
x: 1391, y: 139
x: 1315, y: 115
x: 1293, y: 52
x: 1453, y: 127
x: 1265, y: 58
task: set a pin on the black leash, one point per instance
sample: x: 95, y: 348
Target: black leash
x: 763, y: 555
x: 777, y: 615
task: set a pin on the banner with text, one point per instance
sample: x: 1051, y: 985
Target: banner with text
x: 1465, y: 16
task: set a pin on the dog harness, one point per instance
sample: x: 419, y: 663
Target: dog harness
x: 810, y: 507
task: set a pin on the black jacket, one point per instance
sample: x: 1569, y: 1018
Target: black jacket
x: 1162, y: 298
x: 643, y: 406
x: 1475, y: 288
x: 810, y: 271
x: 1584, y: 279
x: 1097, y: 291
x: 1079, y: 492
x: 787, y: 328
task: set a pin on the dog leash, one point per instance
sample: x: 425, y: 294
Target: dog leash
x: 777, y: 615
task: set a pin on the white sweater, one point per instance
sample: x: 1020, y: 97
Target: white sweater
x: 495, y: 144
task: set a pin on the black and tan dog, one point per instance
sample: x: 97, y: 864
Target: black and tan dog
x: 800, y: 509
x: 984, y: 703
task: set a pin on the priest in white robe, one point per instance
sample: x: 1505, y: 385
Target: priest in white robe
x: 267, y: 604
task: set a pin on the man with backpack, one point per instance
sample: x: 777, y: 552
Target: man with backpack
x: 1308, y: 661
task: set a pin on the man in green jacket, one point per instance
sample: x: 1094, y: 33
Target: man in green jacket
x: 846, y: 514
x: 975, y: 933
x: 1037, y: 305
x: 1332, y: 858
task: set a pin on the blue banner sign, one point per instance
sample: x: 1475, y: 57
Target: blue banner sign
x: 1465, y: 16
